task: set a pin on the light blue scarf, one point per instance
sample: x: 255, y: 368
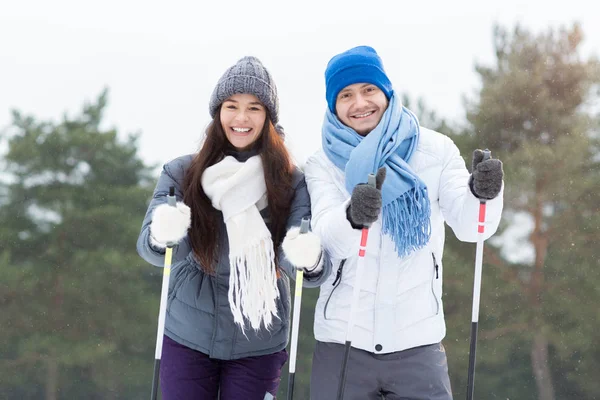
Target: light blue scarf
x: 406, y: 208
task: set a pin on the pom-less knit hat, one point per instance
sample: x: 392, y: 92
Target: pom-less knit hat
x: 358, y: 65
x: 248, y: 75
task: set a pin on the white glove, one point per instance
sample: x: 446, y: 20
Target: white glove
x: 169, y: 224
x: 303, y: 250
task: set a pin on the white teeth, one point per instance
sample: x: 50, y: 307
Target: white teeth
x: 363, y: 115
x: 242, y: 130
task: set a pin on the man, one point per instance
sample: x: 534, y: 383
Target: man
x: 421, y: 183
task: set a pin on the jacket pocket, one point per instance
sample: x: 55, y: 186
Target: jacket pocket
x: 336, y: 284
x: 189, y: 286
x: 283, y: 302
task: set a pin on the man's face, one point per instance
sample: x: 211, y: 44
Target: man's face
x: 360, y: 106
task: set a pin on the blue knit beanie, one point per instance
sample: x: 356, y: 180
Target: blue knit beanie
x: 358, y: 65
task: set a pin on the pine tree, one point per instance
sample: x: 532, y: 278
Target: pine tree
x: 78, y: 304
x: 533, y: 111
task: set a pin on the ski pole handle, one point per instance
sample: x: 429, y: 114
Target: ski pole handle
x: 487, y: 154
x: 171, y: 201
x: 300, y: 271
x: 171, y: 197
x: 304, y: 225
x: 371, y: 181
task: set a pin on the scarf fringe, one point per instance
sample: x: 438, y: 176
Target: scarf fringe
x: 235, y: 188
x: 253, y: 291
x: 407, y: 221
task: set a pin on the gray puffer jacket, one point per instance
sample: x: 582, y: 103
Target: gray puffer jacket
x: 198, y: 313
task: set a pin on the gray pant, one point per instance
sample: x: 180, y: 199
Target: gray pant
x: 416, y: 374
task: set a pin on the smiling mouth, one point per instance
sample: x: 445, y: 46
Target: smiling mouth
x: 363, y: 115
x: 241, y: 131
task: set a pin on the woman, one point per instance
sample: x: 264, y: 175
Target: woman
x: 227, y: 319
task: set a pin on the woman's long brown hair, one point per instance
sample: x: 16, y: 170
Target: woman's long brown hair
x: 278, y: 168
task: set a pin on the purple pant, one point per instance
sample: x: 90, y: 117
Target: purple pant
x: 187, y: 374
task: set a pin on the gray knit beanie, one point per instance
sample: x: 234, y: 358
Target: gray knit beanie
x: 248, y: 75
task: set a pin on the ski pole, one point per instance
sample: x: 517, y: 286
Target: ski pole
x: 163, y: 304
x: 296, y: 318
x: 476, y: 291
x: 355, y: 297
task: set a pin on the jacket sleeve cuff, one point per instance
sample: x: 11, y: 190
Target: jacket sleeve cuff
x: 316, y: 279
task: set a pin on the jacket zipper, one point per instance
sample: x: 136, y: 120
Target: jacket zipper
x: 437, y: 276
x: 336, y: 283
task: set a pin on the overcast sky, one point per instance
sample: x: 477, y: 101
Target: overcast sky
x: 161, y: 60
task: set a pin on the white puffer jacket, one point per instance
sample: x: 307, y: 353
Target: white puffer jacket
x: 401, y: 298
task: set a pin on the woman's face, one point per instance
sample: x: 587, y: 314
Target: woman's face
x: 242, y: 119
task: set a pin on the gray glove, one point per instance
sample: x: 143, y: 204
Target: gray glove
x: 486, y: 177
x: 365, y: 203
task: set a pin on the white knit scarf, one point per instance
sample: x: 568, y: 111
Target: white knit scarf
x: 236, y: 188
